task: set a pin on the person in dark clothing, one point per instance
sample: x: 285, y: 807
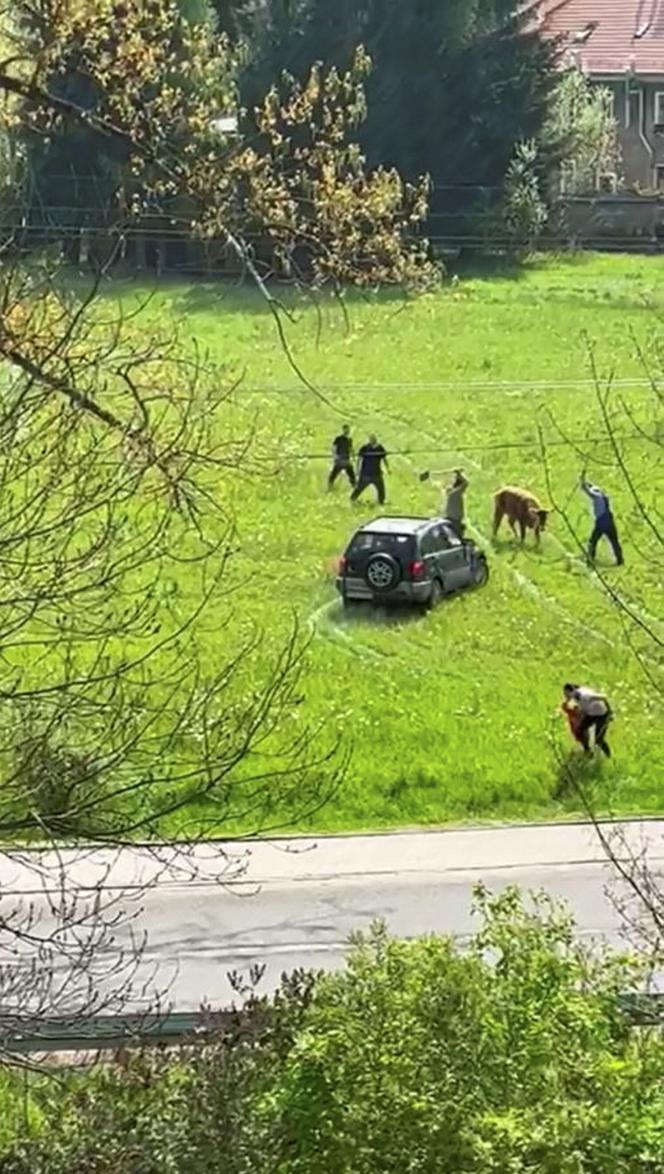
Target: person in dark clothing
x: 371, y: 458
x: 594, y: 714
x: 454, y: 503
x: 605, y: 525
x: 342, y: 457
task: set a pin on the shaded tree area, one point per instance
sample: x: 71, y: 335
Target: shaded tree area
x: 455, y: 92
x: 511, y: 1054
x: 455, y: 86
x: 172, y: 74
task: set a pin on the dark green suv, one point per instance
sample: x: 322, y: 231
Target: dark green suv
x: 409, y: 560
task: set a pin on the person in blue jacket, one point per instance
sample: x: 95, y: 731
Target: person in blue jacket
x: 604, y: 522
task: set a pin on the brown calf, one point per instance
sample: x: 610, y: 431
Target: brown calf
x: 522, y: 510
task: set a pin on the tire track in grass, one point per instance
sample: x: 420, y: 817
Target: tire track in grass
x: 640, y: 612
x: 339, y: 634
x: 523, y: 582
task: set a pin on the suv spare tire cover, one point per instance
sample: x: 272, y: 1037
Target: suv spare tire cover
x: 382, y: 573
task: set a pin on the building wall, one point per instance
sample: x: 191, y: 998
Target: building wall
x: 642, y: 146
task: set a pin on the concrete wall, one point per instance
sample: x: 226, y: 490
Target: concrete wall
x: 642, y: 146
x: 626, y: 222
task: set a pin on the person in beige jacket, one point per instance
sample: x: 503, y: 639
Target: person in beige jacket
x: 596, y: 715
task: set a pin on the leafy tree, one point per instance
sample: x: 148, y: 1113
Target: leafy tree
x: 455, y: 85
x: 524, y: 212
x: 152, y: 84
x: 582, y: 133
x: 509, y: 1055
x: 74, y: 176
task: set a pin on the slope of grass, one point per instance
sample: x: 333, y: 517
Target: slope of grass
x: 451, y: 717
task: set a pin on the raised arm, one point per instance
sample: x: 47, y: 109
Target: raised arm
x: 591, y: 490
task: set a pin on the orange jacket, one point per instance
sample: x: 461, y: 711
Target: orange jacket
x: 574, y: 718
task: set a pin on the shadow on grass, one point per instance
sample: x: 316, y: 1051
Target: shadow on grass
x: 471, y: 266
x: 502, y: 265
x: 577, y: 777
x: 243, y: 297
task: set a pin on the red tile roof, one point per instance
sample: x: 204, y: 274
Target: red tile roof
x: 606, y: 36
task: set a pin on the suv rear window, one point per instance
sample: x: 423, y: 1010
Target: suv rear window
x: 398, y: 545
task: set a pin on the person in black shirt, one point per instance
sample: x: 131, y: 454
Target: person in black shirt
x: 371, y: 458
x: 342, y: 457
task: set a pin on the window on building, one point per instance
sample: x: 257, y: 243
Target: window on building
x: 607, y: 181
x: 568, y: 177
x: 659, y: 178
x: 659, y: 108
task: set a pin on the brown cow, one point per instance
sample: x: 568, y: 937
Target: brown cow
x: 522, y: 510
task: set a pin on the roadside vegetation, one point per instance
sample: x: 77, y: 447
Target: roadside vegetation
x: 512, y: 1053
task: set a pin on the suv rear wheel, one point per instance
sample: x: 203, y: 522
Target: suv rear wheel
x: 436, y: 595
x: 382, y: 573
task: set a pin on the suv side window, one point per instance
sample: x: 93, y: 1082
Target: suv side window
x: 430, y: 542
x: 451, y: 539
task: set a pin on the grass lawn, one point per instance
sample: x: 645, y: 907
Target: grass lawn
x: 451, y: 716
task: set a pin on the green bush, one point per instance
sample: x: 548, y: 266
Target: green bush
x: 509, y: 1056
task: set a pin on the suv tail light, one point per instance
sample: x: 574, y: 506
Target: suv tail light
x: 416, y: 569
x: 343, y: 565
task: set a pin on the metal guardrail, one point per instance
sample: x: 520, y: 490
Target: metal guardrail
x: 643, y: 1010
x: 112, y: 1032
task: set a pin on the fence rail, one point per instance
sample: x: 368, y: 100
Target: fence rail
x: 113, y: 1032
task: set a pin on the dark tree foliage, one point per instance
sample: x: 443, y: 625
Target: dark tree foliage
x: 455, y: 84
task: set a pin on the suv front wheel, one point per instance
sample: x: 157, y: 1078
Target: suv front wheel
x: 436, y: 595
x: 481, y: 572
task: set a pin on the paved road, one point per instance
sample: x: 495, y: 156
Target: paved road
x: 294, y: 902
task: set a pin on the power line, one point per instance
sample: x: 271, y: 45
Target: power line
x: 577, y: 242
x: 447, y: 385
x: 498, y: 447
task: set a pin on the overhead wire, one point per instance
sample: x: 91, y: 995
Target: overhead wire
x: 438, y: 385
x: 500, y: 446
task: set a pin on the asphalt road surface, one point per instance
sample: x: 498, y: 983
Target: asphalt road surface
x: 291, y: 903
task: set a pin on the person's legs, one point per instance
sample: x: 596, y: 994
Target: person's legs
x: 379, y: 482
x: 350, y: 473
x: 601, y: 727
x: 583, y: 735
x: 334, y: 473
x: 593, y: 540
x: 612, y: 535
x: 359, y: 487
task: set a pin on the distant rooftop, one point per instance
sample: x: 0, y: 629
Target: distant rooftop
x: 605, y: 36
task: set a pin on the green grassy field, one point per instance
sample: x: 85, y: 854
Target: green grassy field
x: 451, y: 716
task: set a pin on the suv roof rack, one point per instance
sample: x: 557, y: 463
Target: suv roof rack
x: 390, y: 524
